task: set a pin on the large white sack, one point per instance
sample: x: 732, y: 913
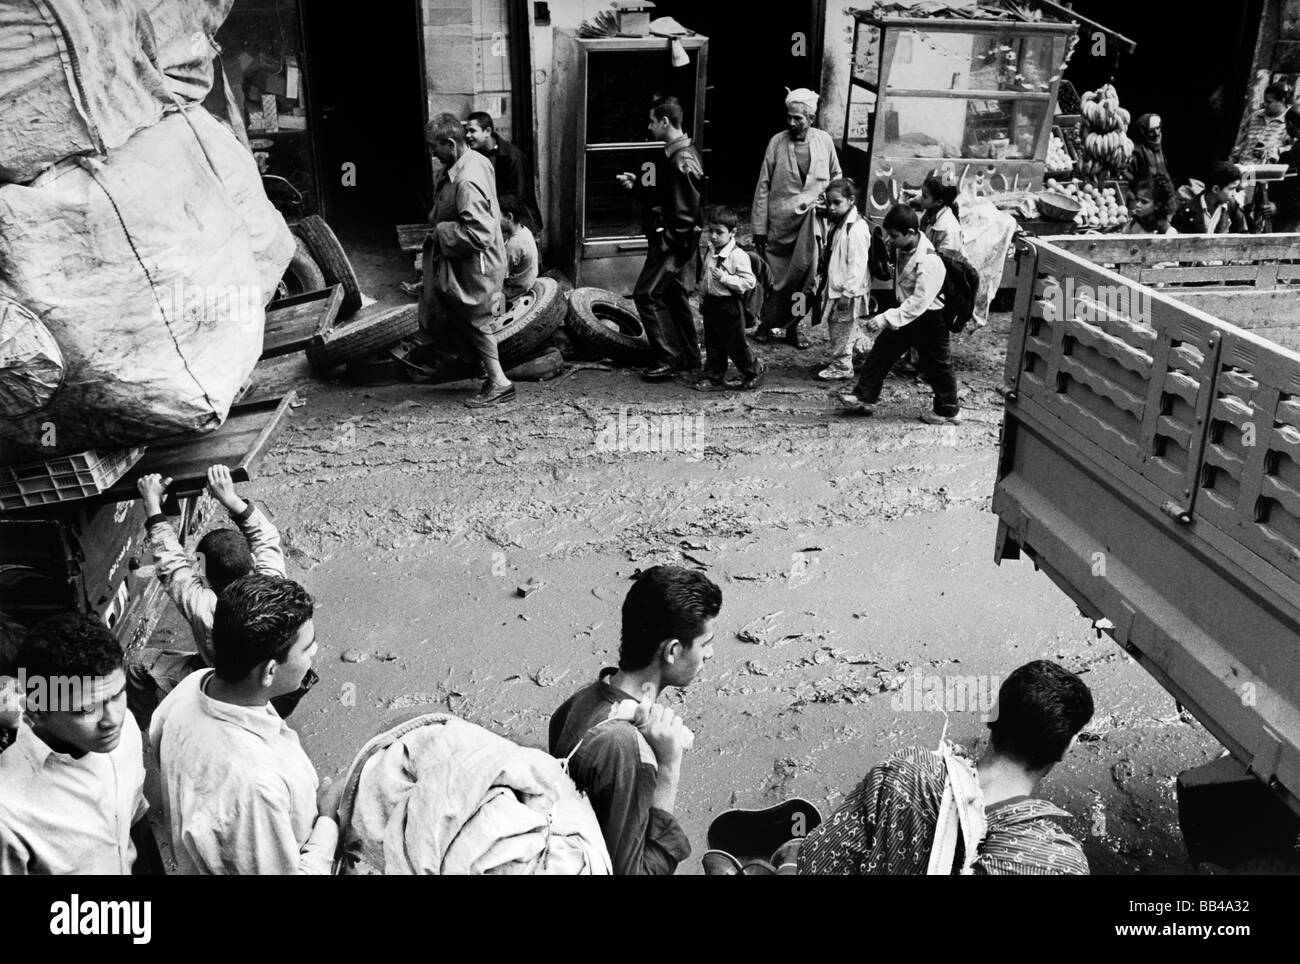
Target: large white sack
x: 183, y: 31
x: 76, y: 77
x: 150, y: 268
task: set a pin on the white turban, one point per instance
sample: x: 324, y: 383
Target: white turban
x: 802, y: 98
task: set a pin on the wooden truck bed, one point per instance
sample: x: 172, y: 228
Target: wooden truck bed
x: 1151, y: 466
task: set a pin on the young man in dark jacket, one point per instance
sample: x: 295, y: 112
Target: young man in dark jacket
x: 675, y: 189
x: 514, y: 175
x: 629, y: 769
x: 1214, y: 210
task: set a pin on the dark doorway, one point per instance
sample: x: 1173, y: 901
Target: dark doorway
x: 365, y: 77
x: 754, y: 55
x: 1191, y: 67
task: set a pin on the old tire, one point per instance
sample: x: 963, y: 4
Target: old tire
x: 302, y: 275
x: 528, y: 322
x: 364, y: 335
x: 334, y: 264
x: 608, y: 324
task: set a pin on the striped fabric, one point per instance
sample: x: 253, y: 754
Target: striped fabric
x: 886, y: 827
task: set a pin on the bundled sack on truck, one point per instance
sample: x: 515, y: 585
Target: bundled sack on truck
x: 149, y: 270
x: 76, y: 77
x: 183, y: 32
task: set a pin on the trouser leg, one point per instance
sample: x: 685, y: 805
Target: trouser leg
x: 715, y: 366
x: 934, y: 351
x: 649, y: 297
x: 890, y: 345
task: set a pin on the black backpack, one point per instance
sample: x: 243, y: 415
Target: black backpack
x: 960, y: 285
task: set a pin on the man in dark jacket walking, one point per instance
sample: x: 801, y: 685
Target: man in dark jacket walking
x: 675, y: 190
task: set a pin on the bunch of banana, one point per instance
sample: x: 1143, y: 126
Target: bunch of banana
x: 1102, y: 128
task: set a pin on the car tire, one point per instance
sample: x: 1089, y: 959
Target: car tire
x: 364, y: 335
x: 529, y: 321
x: 609, y: 324
x: 302, y: 275
x: 324, y: 247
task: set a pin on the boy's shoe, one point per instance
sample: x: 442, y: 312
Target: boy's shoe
x: 851, y: 401
x: 710, y: 385
x: 930, y: 418
x: 755, y: 380
x: 490, y: 397
x: 834, y: 373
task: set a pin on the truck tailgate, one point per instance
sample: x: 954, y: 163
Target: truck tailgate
x: 1151, y: 466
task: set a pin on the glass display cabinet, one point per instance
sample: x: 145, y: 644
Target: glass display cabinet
x: 602, y: 93
x: 971, y: 96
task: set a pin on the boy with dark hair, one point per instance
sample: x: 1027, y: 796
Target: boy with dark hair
x: 239, y: 794
x: 728, y: 275
x: 509, y: 164
x: 630, y: 770
x: 1215, y: 209
x: 72, y: 784
x: 893, y: 822
x: 676, y: 197
x: 521, y: 248
x: 916, y: 323
x: 227, y: 555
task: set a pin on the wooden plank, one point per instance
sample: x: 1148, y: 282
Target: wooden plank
x: 1200, y: 273
x: 294, y: 323
x: 1180, y: 433
x: 1180, y: 384
x: 1232, y: 410
x: 410, y: 237
x: 1246, y: 308
x: 1187, y: 357
x: 1240, y: 384
x: 1151, y: 248
x: 1026, y: 282
x: 240, y: 443
x: 1223, y: 458
x: 1289, y: 411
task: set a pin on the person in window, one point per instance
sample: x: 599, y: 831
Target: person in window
x: 797, y: 167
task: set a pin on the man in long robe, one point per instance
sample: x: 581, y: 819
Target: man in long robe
x: 798, y: 164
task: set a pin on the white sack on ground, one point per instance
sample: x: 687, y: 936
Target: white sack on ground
x: 447, y: 797
x: 183, y: 31
x: 150, y: 268
x: 76, y: 77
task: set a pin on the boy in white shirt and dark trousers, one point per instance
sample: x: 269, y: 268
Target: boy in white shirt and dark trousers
x: 916, y: 323
x: 726, y: 278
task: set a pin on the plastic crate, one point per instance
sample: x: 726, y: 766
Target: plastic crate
x: 64, y: 479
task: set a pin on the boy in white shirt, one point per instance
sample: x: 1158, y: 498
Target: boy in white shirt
x: 72, y: 783
x: 726, y: 278
x: 521, y: 248
x: 239, y: 794
x: 915, y: 323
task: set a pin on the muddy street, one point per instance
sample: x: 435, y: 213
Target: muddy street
x: 855, y: 557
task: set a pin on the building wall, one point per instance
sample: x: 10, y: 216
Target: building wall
x: 467, y: 58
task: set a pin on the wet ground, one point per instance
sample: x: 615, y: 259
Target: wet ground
x: 852, y: 552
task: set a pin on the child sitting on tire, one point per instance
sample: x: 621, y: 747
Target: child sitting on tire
x: 521, y: 248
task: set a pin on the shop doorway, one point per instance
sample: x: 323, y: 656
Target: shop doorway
x: 366, y: 101
x: 755, y: 53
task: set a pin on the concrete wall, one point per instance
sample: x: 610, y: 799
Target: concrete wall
x: 467, y: 58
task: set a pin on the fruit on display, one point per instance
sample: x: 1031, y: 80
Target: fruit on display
x: 1058, y: 158
x: 1103, y: 127
x: 1099, y: 208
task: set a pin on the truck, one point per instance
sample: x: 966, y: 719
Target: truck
x: 1150, y: 466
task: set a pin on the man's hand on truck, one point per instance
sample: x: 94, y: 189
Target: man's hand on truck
x: 222, y: 488
x: 152, y: 489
